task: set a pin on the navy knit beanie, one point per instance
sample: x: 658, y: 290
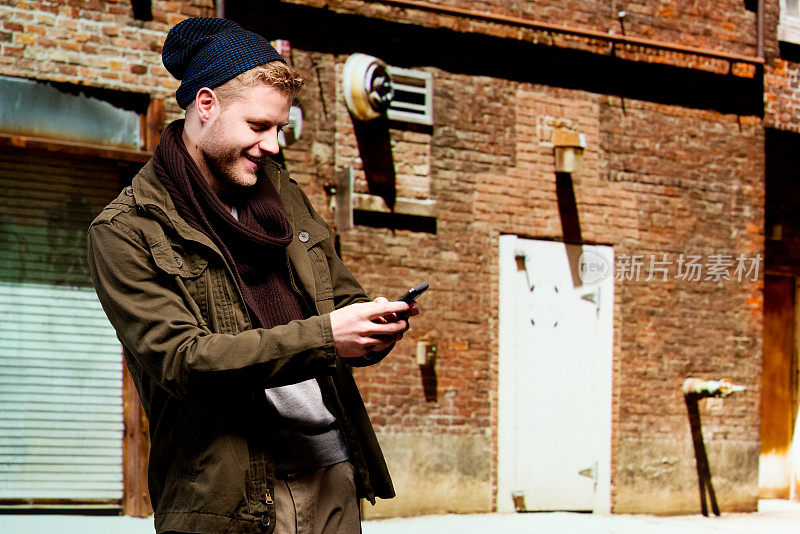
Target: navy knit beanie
x: 207, y: 52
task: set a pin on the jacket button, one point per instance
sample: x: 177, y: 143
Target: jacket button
x: 303, y: 237
x: 129, y: 191
x: 178, y: 261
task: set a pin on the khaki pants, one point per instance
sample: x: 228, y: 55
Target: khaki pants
x: 317, y: 502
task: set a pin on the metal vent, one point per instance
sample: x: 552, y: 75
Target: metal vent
x: 413, y: 96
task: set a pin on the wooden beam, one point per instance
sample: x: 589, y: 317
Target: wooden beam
x: 403, y: 206
x: 135, y: 452
x: 155, y: 121
x: 70, y: 147
x: 136, y: 440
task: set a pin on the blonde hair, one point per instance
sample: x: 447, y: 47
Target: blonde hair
x: 276, y: 74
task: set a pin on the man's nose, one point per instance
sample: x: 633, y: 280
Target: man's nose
x: 269, y: 142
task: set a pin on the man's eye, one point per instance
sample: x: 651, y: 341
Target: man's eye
x: 257, y: 127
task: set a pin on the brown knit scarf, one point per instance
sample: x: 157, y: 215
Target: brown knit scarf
x: 255, y: 245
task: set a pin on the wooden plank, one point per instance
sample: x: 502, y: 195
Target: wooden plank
x: 403, y: 206
x: 343, y: 207
x: 136, y: 440
x: 73, y: 148
x: 776, y: 387
x: 136, y: 453
x: 154, y: 120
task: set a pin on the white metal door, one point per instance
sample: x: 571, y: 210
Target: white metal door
x: 556, y: 322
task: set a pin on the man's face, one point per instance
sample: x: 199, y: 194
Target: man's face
x: 244, y: 133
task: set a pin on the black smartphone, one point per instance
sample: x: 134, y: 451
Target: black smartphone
x: 412, y: 294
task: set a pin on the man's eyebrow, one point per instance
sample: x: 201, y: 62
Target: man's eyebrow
x: 267, y: 121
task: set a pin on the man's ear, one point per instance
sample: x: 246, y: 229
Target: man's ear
x: 206, y: 104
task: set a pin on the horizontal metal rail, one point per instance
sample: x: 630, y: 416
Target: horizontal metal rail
x: 564, y: 29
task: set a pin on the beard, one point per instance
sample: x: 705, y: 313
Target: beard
x: 226, y: 163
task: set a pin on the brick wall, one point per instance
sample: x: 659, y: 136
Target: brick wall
x: 88, y: 42
x: 781, y: 77
x: 698, y: 189
x: 659, y: 177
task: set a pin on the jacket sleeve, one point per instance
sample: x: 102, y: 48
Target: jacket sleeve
x: 173, y: 345
x: 347, y: 290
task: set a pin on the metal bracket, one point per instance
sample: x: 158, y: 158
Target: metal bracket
x: 343, y: 199
x: 524, y: 263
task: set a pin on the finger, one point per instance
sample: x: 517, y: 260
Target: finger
x: 380, y: 299
x: 414, y: 309
x: 388, y: 318
x: 387, y: 328
x: 385, y: 308
x: 384, y: 344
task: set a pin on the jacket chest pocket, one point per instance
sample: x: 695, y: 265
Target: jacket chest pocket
x: 309, y: 266
x: 190, y: 273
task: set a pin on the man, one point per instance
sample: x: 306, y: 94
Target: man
x: 238, y: 321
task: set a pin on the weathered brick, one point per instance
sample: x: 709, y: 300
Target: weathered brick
x: 658, y: 178
x: 24, y: 38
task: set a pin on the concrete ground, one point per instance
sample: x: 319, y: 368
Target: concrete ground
x: 773, y: 517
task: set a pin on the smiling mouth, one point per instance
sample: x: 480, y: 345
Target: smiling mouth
x: 254, y: 161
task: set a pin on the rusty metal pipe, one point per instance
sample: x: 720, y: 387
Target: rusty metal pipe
x: 546, y: 26
x: 710, y: 388
x: 760, y: 30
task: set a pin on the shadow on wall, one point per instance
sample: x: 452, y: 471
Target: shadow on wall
x: 430, y: 383
x: 375, y: 149
x: 482, y: 55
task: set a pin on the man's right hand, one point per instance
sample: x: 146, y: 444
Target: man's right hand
x: 358, y: 329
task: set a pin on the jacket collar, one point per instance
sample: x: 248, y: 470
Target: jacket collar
x: 151, y: 196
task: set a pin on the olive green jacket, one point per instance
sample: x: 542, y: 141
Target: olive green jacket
x: 201, y: 368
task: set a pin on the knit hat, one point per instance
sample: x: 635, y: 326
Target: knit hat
x: 207, y: 52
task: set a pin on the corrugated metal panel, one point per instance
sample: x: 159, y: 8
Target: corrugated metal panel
x: 60, y: 365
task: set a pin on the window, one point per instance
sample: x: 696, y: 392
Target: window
x: 789, y: 26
